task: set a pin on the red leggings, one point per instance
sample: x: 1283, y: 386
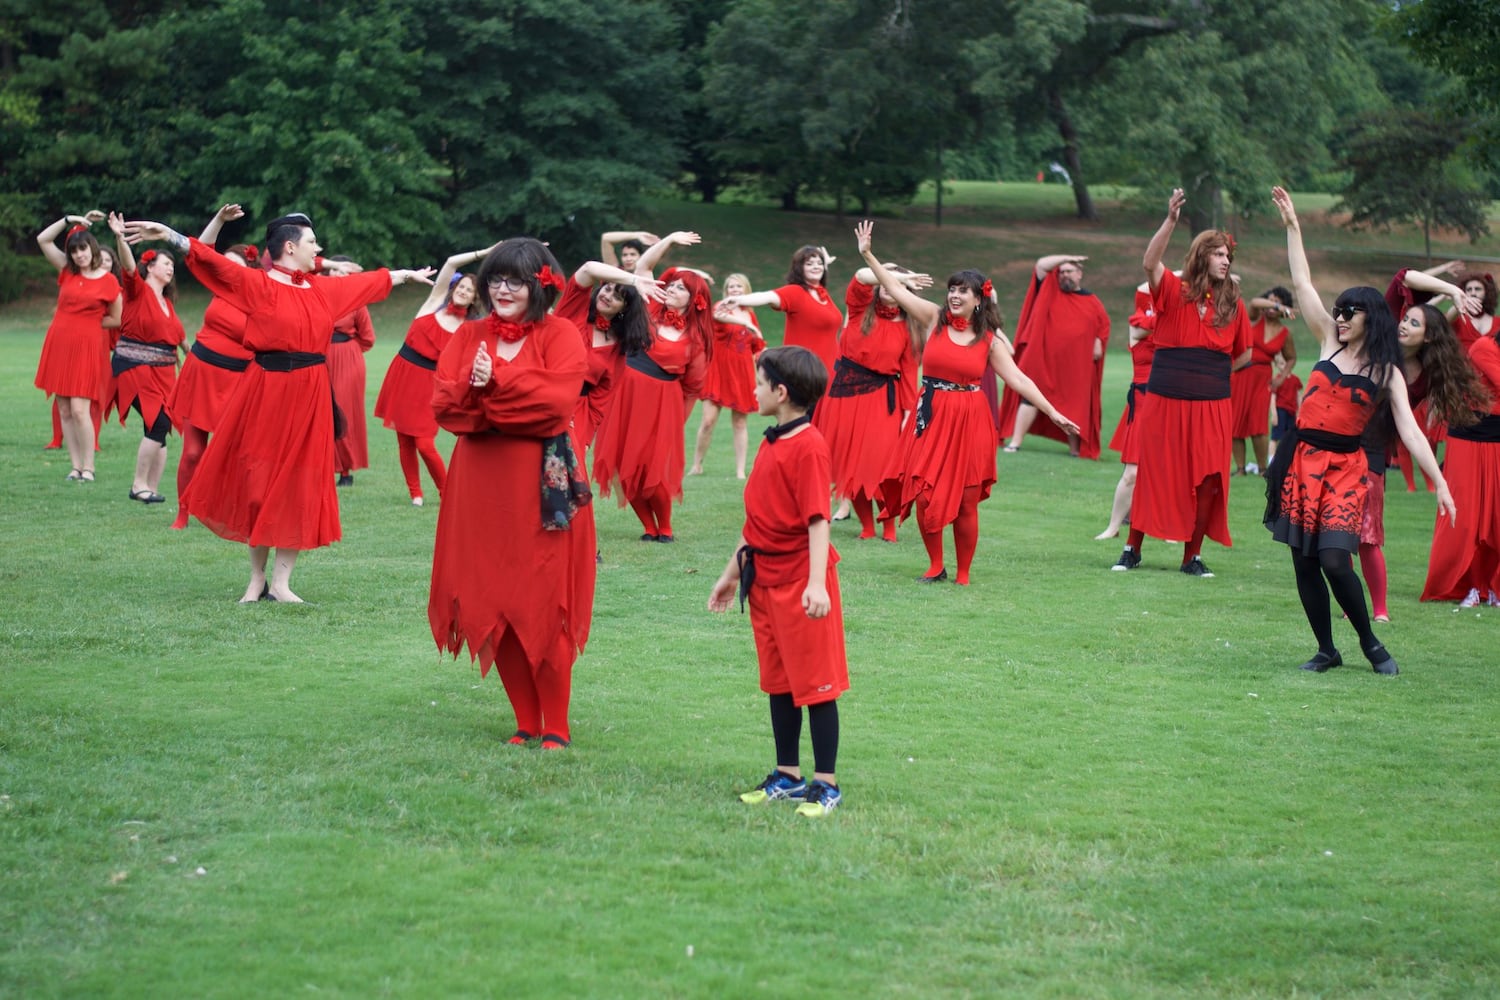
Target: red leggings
x: 655, y: 511
x: 538, y: 695
x: 194, y: 441
x: 410, y: 448
x: 965, y: 536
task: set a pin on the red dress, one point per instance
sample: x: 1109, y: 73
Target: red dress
x: 212, y: 370
x: 494, y: 568
x: 1250, y: 387
x: 266, y: 477
x: 1055, y: 339
x: 1467, y: 555
x: 811, y: 322
x: 1468, y: 334
x: 957, y: 447
x: 353, y: 335
x: 730, y: 378
x: 1125, y: 440
x: 405, y: 400
x: 1184, y: 441
x: 1324, y: 491
x: 606, y: 361
x: 144, y: 320
x: 76, y: 348
x: 860, y: 417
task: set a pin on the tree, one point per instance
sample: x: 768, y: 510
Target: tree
x: 1460, y: 37
x: 1404, y: 168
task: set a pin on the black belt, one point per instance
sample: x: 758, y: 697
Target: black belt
x: 1193, y: 373
x: 341, y: 338
x: 416, y: 357
x: 1136, y: 389
x: 130, y: 353
x: 850, y: 378
x: 647, y: 365
x: 288, y: 361
x: 924, y: 404
x: 1343, y: 444
x: 209, y: 356
x: 1486, y: 430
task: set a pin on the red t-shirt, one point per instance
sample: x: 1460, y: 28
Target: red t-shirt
x: 786, y: 492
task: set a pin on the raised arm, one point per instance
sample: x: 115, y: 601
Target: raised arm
x: 1157, y: 248
x: 47, y: 238
x: 752, y: 300
x: 226, y: 213
x: 658, y: 250
x: 1308, y: 300
x: 1045, y: 265
x: 445, y: 275
x: 926, y: 312
x: 122, y: 245
x: 607, y: 243
x: 1421, y: 281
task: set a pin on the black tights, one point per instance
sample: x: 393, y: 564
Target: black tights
x: 786, y: 729
x: 1338, y: 567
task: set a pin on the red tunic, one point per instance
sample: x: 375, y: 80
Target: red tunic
x: 730, y: 378
x: 147, y: 320
x: 605, y: 364
x: 1467, y: 554
x: 75, y: 352
x: 1184, y: 441
x: 346, y: 369
x: 405, y: 400
x: 266, y: 477
x: 957, y: 450
x: 1250, y: 387
x: 858, y: 417
x: 1466, y: 331
x: 204, y: 387
x: 811, y: 322
x: 1289, y: 393
x: 1125, y: 440
x: 1055, y: 339
x: 639, y: 446
x: 494, y: 567
x: 1323, y: 494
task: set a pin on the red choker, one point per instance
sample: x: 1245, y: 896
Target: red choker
x: 672, y: 319
x: 602, y: 323
x: 298, y: 277
x: 454, y: 309
x: 959, y: 323
x: 507, y: 332
x: 884, y: 311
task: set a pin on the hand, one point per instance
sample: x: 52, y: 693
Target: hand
x: 650, y: 288
x: 421, y: 275
x: 1450, y: 267
x: 1285, y: 207
x: 650, y: 239
x: 117, y: 223
x: 1098, y: 348
x: 1467, y: 304
x: 917, y: 281
x: 728, y: 303
x: 228, y: 213
x: 92, y: 216
x: 142, y: 232
x: 1066, y: 424
x: 1445, y: 503
x: 344, y: 268
x: 815, y: 601
x: 722, y: 596
x: 1175, y: 203
x: 684, y: 238
x: 862, y: 235
x: 828, y: 258
x: 484, y: 367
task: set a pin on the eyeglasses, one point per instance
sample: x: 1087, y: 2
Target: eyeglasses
x: 1345, y: 313
x: 509, y: 284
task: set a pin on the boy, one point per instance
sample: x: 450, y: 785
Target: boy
x: 784, y: 564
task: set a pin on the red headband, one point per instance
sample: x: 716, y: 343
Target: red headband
x: 548, y: 278
x: 80, y: 228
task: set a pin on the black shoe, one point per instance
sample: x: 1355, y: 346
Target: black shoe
x: 1195, y: 567
x: 942, y: 575
x: 648, y: 537
x: 1129, y: 559
x: 1381, y: 660
x: 1322, y: 661
x: 666, y: 538
x: 347, y: 479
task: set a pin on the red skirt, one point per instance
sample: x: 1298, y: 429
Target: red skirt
x: 1467, y: 554
x: 1250, y: 393
x: 405, y: 400
x: 1182, y: 443
x: 150, y: 385
x: 1322, y: 500
x: 70, y: 361
x: 730, y: 379
x: 346, y: 369
x: 1125, y: 440
x: 862, y: 436
x: 639, y: 446
x: 201, y: 394
x: 956, y: 451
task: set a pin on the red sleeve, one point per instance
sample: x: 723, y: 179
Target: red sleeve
x: 857, y: 298
x: 1168, y: 294
x: 133, y: 285
x: 240, y: 286
x: 1400, y: 298
x: 348, y: 293
x: 697, y: 368
x: 573, y: 306
x: 809, y: 485
x: 530, y: 400
x: 364, y: 329
x: 1485, y: 354
x: 792, y: 298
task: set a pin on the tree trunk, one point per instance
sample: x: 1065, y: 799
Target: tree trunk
x: 1071, y: 159
x: 789, y: 199
x: 838, y: 206
x: 937, y: 218
x: 1205, y: 205
x: 708, y: 187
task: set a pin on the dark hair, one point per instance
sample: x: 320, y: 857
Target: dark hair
x: 82, y: 238
x: 169, y: 290
x: 521, y: 257
x: 287, y: 229
x: 1276, y: 292
x: 986, y: 318
x: 1490, y: 292
x: 797, y: 368
x: 1455, y: 390
x: 473, y: 307
x: 114, y: 263
x: 631, y: 326
x: 794, y: 275
x: 635, y: 245
x: 1382, y: 348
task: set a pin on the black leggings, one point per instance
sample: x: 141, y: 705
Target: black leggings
x: 1337, y: 566
x: 786, y: 729
x: 159, y: 429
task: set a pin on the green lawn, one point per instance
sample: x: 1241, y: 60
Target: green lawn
x: 1059, y: 782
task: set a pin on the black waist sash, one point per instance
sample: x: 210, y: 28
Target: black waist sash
x: 1485, y: 431
x: 1194, y: 373
x: 416, y: 357
x: 288, y: 361
x: 209, y: 356
x: 646, y: 365
x: 341, y: 338
x: 135, y: 353
x: 1344, y: 444
x: 1136, y: 389
x: 850, y: 378
x: 924, y: 404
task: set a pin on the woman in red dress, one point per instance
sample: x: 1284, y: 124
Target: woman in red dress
x: 107, y: 391
x: 1182, y: 483
x: 1125, y: 440
x: 1478, y: 319
x: 874, y: 390
x: 513, y: 561
x: 88, y: 303
x: 267, y: 477
x: 812, y: 317
x: 353, y: 336
x: 639, y: 450
x: 729, y: 383
x: 1317, y: 487
x: 947, y: 449
x: 1250, y: 385
x: 405, y: 401
x: 145, y: 358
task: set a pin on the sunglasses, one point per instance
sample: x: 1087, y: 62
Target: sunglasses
x: 1345, y: 313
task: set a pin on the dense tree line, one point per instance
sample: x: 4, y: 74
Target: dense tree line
x: 408, y: 128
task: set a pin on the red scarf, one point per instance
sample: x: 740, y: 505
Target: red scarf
x: 298, y: 277
x: 602, y: 322
x: 884, y: 311
x: 507, y: 332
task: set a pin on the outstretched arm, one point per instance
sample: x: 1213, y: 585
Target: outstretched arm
x: 1044, y: 265
x: 1005, y: 366
x: 1157, y: 248
x: 658, y: 250
x: 1421, y: 281
x: 226, y: 213
x: 591, y: 272
x: 1308, y: 299
x: 1416, y: 442
x: 926, y: 312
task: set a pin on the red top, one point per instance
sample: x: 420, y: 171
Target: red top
x: 1286, y: 392
x: 1178, y: 323
x: 811, y: 323
x: 357, y: 326
x: 84, y: 298
x: 1485, y: 354
x: 886, y: 348
x: 143, y: 318
x: 682, y: 357
x: 1261, y: 349
x: 787, y: 491
x: 573, y: 304
x: 1467, y: 332
x: 223, y: 329
x: 1336, y: 402
x: 531, y: 395
x: 76, y: 349
x: 1141, y: 353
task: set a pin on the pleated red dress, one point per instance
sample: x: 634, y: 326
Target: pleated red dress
x: 353, y: 335
x: 1184, y: 441
x: 812, y: 321
x: 874, y: 384
x: 956, y: 448
x: 405, y: 401
x: 145, y: 319
x: 266, y: 477
x: 1250, y: 387
x: 1125, y: 440
x: 495, y: 569
x: 75, y: 352
x: 212, y: 370
x: 1467, y: 554
x: 730, y: 378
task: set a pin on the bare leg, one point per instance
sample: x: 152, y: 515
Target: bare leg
x: 150, y: 460
x: 1261, y: 443
x: 257, y: 574
x: 739, y: 425
x: 1025, y: 416
x: 78, y: 431
x: 1124, y: 492
x: 281, y: 576
x: 705, y: 434
x: 1237, y: 448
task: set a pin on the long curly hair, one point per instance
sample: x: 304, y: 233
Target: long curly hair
x: 1455, y: 390
x: 1491, y: 294
x: 986, y: 318
x: 1198, y: 285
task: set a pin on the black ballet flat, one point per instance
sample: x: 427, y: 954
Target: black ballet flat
x: 1322, y: 662
x: 666, y: 539
x: 648, y: 537
x: 940, y: 578
x: 1381, y: 660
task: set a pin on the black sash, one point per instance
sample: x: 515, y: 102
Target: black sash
x: 1194, y: 373
x: 1136, y: 389
x: 341, y: 338
x: 924, y: 405
x: 850, y: 378
x: 131, y: 353
x: 288, y: 361
x: 1484, y: 431
x: 411, y: 354
x: 646, y: 365
x: 209, y: 356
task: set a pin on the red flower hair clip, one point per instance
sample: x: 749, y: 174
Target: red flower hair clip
x: 251, y: 255
x: 148, y: 257
x: 79, y: 228
x: 549, y: 278
x: 987, y: 289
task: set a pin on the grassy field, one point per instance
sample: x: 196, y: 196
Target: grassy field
x: 1059, y: 782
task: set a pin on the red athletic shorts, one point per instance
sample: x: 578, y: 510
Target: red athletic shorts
x: 799, y: 655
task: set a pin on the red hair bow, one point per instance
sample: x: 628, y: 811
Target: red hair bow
x: 148, y: 257
x: 549, y: 278
x: 987, y: 289
x: 79, y: 228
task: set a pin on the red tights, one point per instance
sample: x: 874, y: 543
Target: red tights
x: 539, y: 695
x: 194, y: 441
x: 965, y: 536
x: 864, y: 509
x: 1372, y: 566
x: 1205, y: 495
x: 410, y: 447
x: 655, y: 511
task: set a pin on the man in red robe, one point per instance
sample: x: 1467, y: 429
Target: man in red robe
x: 1060, y: 341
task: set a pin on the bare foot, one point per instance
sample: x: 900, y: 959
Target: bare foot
x: 1107, y: 533
x: 283, y: 596
x: 696, y: 470
x: 254, y: 592
x: 740, y: 474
